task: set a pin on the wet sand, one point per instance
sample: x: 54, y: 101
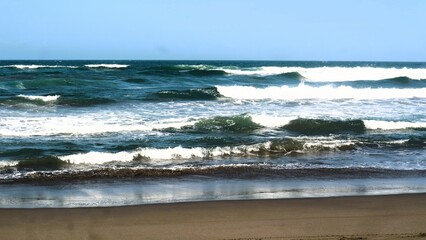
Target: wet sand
x: 362, y: 217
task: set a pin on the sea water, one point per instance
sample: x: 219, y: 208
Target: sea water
x: 73, y: 122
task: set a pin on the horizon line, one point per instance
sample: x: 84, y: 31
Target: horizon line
x: 216, y: 60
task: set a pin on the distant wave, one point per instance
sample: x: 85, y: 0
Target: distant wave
x: 336, y: 74
x: 320, y: 74
x: 327, y: 92
x: 32, y: 66
x: 399, y: 82
x: 210, y: 93
x: 54, y: 100
x: 206, y: 73
x: 35, y: 66
x: 193, y: 70
x: 106, y: 65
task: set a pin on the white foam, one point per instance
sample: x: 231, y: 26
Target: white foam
x: 391, y: 125
x: 271, y: 121
x: 49, y: 98
x: 323, y: 92
x: 4, y: 164
x: 154, y: 154
x: 106, y: 65
x: 334, y: 74
x: 197, y: 67
x: 33, y: 66
x: 166, y: 155
x: 81, y: 125
x: 330, y: 144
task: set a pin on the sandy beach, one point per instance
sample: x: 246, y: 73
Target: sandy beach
x: 361, y: 217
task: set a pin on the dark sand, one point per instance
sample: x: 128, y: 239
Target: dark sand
x: 370, y: 217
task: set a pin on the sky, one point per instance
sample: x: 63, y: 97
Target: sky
x: 321, y: 30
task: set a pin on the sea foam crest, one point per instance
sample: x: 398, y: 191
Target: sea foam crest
x: 328, y: 92
x: 333, y: 74
x: 270, y: 121
x: 5, y: 164
x: 155, y: 154
x: 49, y: 98
x: 151, y: 153
x: 33, y: 66
x: 78, y: 125
x: 106, y: 65
x: 168, y: 155
x: 392, y: 125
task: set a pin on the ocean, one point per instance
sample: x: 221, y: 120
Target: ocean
x: 107, y: 133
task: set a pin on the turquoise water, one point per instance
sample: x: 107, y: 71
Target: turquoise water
x: 111, y: 120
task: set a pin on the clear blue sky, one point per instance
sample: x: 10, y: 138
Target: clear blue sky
x: 381, y: 30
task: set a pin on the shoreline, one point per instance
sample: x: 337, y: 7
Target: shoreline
x: 355, y: 217
x: 194, y: 189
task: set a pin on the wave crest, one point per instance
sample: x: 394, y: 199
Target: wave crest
x: 235, y: 124
x: 210, y: 93
x: 393, y: 125
x: 334, y: 74
x: 321, y: 126
x: 49, y: 98
x: 328, y: 92
x: 268, y: 149
x: 106, y: 65
x: 34, y: 66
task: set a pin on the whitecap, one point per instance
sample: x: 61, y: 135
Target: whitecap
x: 34, y: 66
x: 392, y: 125
x: 49, y: 98
x: 327, y: 92
x: 333, y: 74
x: 106, y: 65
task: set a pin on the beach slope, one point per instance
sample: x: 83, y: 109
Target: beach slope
x: 362, y: 217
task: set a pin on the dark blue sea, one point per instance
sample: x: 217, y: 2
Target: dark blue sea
x: 167, y: 131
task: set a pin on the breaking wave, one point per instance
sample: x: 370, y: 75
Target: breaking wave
x: 238, y: 124
x: 106, y: 65
x: 270, y: 148
x: 327, y: 92
x: 334, y: 74
x: 54, y: 100
x: 33, y: 66
x: 79, y: 125
x: 49, y: 98
x: 394, y: 125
